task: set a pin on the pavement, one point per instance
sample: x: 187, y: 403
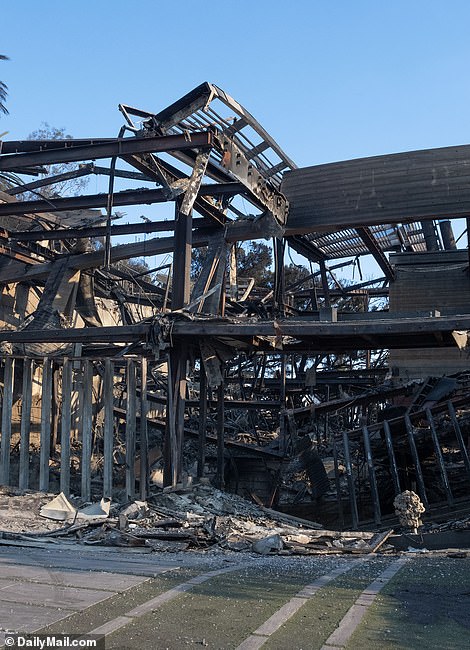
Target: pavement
x: 240, y: 601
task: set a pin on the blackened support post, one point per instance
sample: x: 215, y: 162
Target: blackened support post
x: 108, y: 428
x: 6, y: 422
x: 144, y: 457
x: 220, y: 437
x: 282, y: 401
x: 178, y: 356
x: 350, y: 478
x: 130, y: 429
x: 414, y: 454
x: 279, y: 249
x: 45, y: 436
x: 371, y: 472
x: 87, y: 429
x: 26, y: 424
x: 391, y: 458
x: 468, y: 240
x: 201, y: 459
x: 440, y: 458
x: 65, y: 427
x: 181, y: 259
x: 324, y: 281
x: 338, y: 483
x: 459, y: 436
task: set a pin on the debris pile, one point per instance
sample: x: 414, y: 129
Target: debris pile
x: 199, y: 518
x: 409, y: 508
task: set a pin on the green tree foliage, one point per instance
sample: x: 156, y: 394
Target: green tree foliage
x: 70, y: 187
x: 197, y: 261
x: 254, y: 261
x: 294, y: 273
x: 3, y: 90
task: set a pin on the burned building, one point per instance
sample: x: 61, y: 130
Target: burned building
x: 114, y: 382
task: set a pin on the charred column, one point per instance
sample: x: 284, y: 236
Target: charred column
x: 178, y: 356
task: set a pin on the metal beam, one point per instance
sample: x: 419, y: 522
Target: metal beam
x: 128, y: 197
x: 100, y: 231
x: 369, y: 240
x: 67, y: 152
x: 50, y: 180
x: 397, y: 333
x: 235, y: 162
x: 95, y: 259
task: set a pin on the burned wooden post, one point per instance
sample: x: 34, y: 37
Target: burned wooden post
x: 201, y: 458
x: 6, y: 421
x: 45, y: 435
x: 130, y: 429
x: 108, y: 428
x: 87, y: 433
x: 339, y: 500
x: 459, y: 436
x: 65, y: 427
x: 417, y: 464
x: 350, y: 478
x: 220, y: 437
x: 439, y: 458
x: 177, y: 357
x: 144, y: 457
x: 279, y: 284
x: 325, y: 285
x: 391, y: 458
x: 371, y: 472
x: 25, y: 427
x: 282, y: 400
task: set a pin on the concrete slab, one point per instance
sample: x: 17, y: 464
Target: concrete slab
x: 51, y: 595
x: 87, y: 579
x: 22, y: 572
x: 19, y: 617
x: 110, y: 562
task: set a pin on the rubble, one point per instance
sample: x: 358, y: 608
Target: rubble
x: 409, y: 508
x: 201, y: 519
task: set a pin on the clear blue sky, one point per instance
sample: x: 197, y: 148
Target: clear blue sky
x: 330, y: 80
